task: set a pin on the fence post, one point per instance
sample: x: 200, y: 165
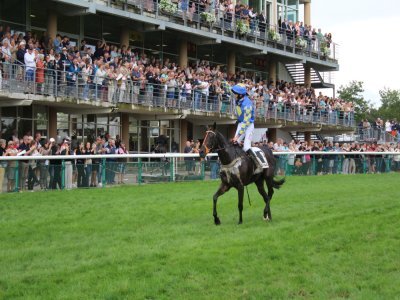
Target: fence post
x: 34, y: 82
x: 16, y: 188
x: 56, y: 84
x: 202, y: 166
x: 77, y: 87
x: 103, y: 172
x: 313, y: 165
x: 171, y: 170
x: 387, y: 165
x: 95, y: 92
x: 140, y: 171
x: 340, y: 165
x: 62, y: 174
x: 364, y: 162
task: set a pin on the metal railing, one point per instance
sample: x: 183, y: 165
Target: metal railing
x: 375, y: 135
x: 204, y: 17
x: 19, y: 173
x: 52, y: 84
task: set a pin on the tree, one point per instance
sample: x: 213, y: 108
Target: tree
x: 352, y: 93
x: 390, y: 108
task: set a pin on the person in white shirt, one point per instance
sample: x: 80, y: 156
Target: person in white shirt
x: 98, y: 80
x: 388, y: 127
x: 30, y: 66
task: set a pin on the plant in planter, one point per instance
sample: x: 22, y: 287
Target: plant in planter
x: 242, y: 27
x: 209, y: 18
x: 301, y: 43
x: 167, y: 6
x: 325, y: 51
x: 119, y: 2
x: 274, y: 36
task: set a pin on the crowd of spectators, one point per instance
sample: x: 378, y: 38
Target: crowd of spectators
x: 226, y: 13
x: 125, y: 74
x: 308, y: 164
x: 379, y: 130
x: 47, y: 174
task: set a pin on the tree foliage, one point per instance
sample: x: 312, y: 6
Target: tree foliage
x: 353, y: 93
x: 390, y: 108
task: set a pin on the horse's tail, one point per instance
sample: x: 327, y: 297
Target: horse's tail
x: 278, y: 183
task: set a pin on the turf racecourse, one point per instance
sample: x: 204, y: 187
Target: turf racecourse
x: 331, y: 237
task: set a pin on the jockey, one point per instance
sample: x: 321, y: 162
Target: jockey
x: 245, y: 116
x: 244, y: 131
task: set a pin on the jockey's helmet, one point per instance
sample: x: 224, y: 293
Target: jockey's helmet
x: 239, y: 89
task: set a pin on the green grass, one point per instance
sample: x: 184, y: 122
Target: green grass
x: 331, y: 237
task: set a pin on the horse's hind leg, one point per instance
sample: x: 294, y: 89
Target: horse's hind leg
x: 269, y: 180
x: 270, y: 185
x: 267, y: 210
x: 223, y: 188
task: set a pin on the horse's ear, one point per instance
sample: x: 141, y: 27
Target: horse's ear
x: 215, y: 126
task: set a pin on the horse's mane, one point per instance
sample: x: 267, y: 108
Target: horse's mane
x: 226, y: 143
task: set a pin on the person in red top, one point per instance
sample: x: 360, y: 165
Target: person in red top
x: 39, y: 73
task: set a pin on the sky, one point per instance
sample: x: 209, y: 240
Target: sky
x: 369, y: 43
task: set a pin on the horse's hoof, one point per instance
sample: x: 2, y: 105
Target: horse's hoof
x: 240, y: 222
x: 217, y: 221
x: 266, y: 219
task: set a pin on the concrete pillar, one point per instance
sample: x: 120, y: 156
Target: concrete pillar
x: 272, y: 71
x: 231, y: 131
x: 274, y: 14
x: 183, y: 54
x: 184, y: 135
x: 272, y: 133
x: 307, y: 13
x: 307, y: 136
x: 52, y: 24
x: 307, y: 76
x: 124, y: 36
x: 125, y: 129
x: 231, y: 63
x: 52, y: 133
x: 144, y: 141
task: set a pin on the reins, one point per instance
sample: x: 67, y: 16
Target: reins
x: 248, y: 197
x: 208, y: 150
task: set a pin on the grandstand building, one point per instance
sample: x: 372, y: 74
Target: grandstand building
x: 187, y: 33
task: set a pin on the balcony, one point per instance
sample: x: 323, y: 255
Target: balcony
x: 58, y: 90
x: 262, y: 37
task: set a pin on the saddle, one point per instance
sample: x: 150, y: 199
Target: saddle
x: 258, y: 156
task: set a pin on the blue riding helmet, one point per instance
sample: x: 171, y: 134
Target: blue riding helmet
x: 239, y: 89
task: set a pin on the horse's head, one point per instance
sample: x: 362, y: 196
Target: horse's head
x: 210, y: 142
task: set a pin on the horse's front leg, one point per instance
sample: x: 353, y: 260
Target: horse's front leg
x: 240, y: 202
x: 223, y: 188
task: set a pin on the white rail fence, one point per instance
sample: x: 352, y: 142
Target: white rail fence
x: 18, y: 173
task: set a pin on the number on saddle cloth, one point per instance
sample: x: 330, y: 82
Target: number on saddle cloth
x: 259, y: 156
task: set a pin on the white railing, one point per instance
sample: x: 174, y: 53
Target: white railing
x: 17, y: 173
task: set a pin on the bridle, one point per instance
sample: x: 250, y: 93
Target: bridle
x: 208, y: 150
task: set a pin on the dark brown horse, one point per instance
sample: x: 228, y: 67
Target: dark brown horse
x: 238, y: 171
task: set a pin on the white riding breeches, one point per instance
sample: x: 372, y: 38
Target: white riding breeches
x: 247, y: 136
